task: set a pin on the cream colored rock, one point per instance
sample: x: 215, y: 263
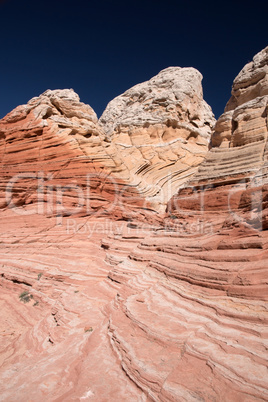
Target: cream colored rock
x: 159, y: 132
x: 64, y: 108
x: 153, y: 137
x: 172, y: 96
x: 67, y: 103
x: 251, y: 82
x: 235, y: 171
x: 223, y: 131
x: 245, y: 118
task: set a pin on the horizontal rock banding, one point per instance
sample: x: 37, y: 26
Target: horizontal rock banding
x: 118, y: 301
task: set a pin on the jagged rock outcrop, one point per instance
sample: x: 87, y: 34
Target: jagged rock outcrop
x: 150, y: 158
x: 159, y: 132
x: 51, y: 163
x: 174, y: 95
x: 42, y: 137
x: 169, y: 307
x: 245, y: 117
x: 235, y: 170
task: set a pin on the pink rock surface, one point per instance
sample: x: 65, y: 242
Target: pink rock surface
x: 120, y: 303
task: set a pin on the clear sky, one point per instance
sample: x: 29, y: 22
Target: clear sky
x: 102, y: 48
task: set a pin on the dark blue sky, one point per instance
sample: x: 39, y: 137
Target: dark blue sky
x: 102, y: 48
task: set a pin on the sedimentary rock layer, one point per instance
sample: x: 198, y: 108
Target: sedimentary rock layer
x: 57, y: 136
x: 51, y: 163
x: 233, y: 177
x: 137, y: 306
x: 190, y: 320
x: 159, y: 132
x: 54, y: 292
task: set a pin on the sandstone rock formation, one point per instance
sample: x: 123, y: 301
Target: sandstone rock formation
x: 53, y: 160
x: 42, y: 137
x: 201, y: 302
x: 245, y: 118
x: 149, y: 158
x: 159, y: 132
x: 120, y: 303
x: 236, y: 167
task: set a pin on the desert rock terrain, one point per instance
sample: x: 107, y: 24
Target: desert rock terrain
x: 134, y: 247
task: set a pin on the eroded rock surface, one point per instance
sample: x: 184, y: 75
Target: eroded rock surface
x: 199, y: 305
x: 54, y: 160
x: 120, y: 303
x: 159, y: 132
x: 148, y: 142
x: 245, y: 117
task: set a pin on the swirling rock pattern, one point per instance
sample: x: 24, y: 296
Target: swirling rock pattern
x: 150, y: 158
x: 192, y: 324
x: 53, y: 160
x: 159, y: 132
x: 119, y: 302
x: 54, y: 291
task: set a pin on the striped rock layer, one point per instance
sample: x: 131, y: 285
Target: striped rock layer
x: 102, y: 297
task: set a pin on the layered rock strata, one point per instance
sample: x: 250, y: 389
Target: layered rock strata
x: 53, y: 327
x: 191, y: 320
x: 51, y: 163
x: 55, y: 137
x: 233, y: 177
x: 159, y: 132
x: 163, y: 308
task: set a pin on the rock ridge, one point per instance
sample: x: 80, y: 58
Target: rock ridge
x: 154, y: 155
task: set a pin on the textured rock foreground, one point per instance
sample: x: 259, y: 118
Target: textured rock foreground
x: 104, y: 296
